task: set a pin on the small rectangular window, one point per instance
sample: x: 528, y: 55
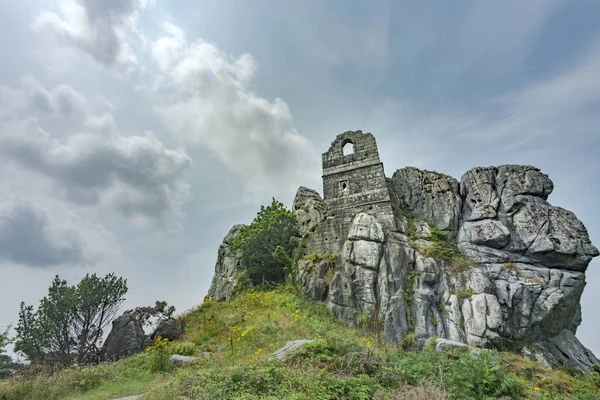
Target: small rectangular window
x: 344, y: 185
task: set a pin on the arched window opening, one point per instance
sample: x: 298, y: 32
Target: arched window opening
x: 348, y: 148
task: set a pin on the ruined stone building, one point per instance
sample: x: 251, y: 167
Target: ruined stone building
x: 353, y: 182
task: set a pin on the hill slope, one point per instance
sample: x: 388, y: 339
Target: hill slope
x: 234, y: 340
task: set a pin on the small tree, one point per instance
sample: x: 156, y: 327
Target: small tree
x: 6, y: 366
x: 273, y: 226
x: 70, y: 321
x: 3, y: 342
x: 96, y: 303
x: 161, y: 311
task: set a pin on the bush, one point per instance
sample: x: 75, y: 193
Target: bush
x: 159, y: 355
x: 273, y: 227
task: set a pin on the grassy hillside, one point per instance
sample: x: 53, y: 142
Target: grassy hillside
x: 234, y: 340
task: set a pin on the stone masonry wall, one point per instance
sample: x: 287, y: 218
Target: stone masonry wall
x: 352, y: 184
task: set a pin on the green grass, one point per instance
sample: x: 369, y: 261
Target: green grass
x: 234, y: 339
x: 104, y: 381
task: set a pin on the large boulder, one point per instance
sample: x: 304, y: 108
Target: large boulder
x: 125, y: 338
x: 227, y: 268
x: 353, y: 287
x: 431, y: 196
x: 171, y: 329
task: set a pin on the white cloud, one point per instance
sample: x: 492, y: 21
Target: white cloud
x: 89, y: 161
x: 103, y: 29
x: 207, y: 101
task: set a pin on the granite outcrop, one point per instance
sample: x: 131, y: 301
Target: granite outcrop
x: 486, y: 261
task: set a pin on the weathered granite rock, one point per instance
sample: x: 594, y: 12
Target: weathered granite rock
x: 486, y: 232
x: 518, y: 277
x: 309, y: 209
x: 446, y: 344
x: 125, y: 338
x: 289, y: 348
x: 431, y: 196
x: 477, y: 188
x: 566, y: 350
x: 170, y: 329
x: 227, y: 267
x: 353, y: 287
x: 524, y: 284
x: 315, y: 277
x: 178, y: 359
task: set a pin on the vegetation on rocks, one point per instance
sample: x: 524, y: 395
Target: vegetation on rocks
x: 442, y: 249
x: 264, y: 243
x: 234, y: 340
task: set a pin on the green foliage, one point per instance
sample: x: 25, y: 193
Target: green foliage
x: 242, y: 281
x: 102, y: 381
x: 465, y: 375
x: 411, y: 230
x: 442, y: 249
x: 291, y: 262
x: 182, y: 348
x: 5, y: 361
x: 510, y: 265
x: 70, y: 321
x: 409, y: 341
x: 161, y: 311
x: 314, y: 259
x: 3, y: 343
x: 273, y: 226
x: 409, y: 289
x: 463, y: 294
x: 159, y: 355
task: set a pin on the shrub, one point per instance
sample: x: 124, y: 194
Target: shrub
x: 159, y: 355
x: 466, y: 375
x: 273, y: 226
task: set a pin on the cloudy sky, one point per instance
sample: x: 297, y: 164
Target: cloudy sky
x: 135, y: 133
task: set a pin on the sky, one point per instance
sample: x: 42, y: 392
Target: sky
x: 135, y: 133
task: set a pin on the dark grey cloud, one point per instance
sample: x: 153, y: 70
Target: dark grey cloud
x: 100, y: 28
x: 29, y: 237
x: 93, y: 164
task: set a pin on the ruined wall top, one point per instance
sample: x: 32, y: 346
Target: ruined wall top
x: 364, y: 153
